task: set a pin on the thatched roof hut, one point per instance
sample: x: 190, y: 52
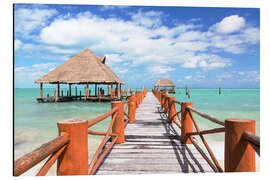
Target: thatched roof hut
x: 83, y: 68
x: 164, y: 83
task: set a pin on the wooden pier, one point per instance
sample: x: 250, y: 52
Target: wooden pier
x: 152, y: 146
x: 147, y: 135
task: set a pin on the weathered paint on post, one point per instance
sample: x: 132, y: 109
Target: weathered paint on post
x: 172, y: 109
x: 118, y: 126
x: 186, y: 122
x: 74, y: 160
x: 239, y: 155
x: 132, y: 108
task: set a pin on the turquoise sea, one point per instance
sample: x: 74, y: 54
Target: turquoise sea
x: 35, y: 123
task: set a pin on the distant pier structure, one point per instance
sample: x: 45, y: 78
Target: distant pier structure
x: 83, y: 69
x: 165, y: 85
x: 219, y: 90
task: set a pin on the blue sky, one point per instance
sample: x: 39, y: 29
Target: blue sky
x: 195, y: 47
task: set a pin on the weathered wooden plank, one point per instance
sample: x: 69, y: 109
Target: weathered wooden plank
x: 152, y: 146
x: 185, y: 167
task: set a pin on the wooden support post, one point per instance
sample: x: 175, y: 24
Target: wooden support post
x: 56, y: 95
x: 172, y: 109
x: 76, y: 91
x: 186, y: 122
x: 80, y: 95
x: 120, y: 90
x: 239, y: 155
x: 41, y: 90
x: 67, y: 93
x: 132, y: 108
x: 74, y: 160
x: 87, y: 90
x: 58, y: 89
x: 108, y: 90
x: 62, y: 93
x: 69, y: 89
x: 118, y: 126
x: 95, y: 89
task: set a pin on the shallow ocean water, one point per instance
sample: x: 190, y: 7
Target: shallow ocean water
x: 36, y: 123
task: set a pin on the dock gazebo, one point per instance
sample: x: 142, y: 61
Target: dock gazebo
x: 84, y: 68
x: 165, y: 84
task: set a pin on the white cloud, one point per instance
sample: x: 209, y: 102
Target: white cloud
x: 110, y: 7
x: 241, y: 76
x: 17, y: 44
x: 230, y: 24
x: 188, y: 77
x: 160, y: 69
x: 147, y: 19
x: 144, y: 40
x: 27, y: 20
x: 31, y: 73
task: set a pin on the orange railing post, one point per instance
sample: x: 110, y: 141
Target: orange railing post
x: 166, y: 103
x: 239, y: 154
x: 172, y: 109
x: 137, y: 99
x: 74, y: 160
x: 186, y: 122
x: 132, y: 108
x: 119, y: 125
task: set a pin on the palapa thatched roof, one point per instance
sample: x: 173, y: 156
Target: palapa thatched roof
x: 164, y: 83
x: 83, y: 68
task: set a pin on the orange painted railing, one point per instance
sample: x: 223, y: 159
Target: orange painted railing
x: 240, y: 141
x: 70, y: 149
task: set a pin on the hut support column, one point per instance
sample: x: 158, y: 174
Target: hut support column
x: 69, y: 89
x: 41, y: 90
x: 95, y: 89
x: 87, y: 91
x: 111, y: 89
x: 58, y: 89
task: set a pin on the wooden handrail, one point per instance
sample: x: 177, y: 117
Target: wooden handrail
x: 45, y: 168
x: 31, y: 159
x: 101, y: 117
x: 95, y: 157
x: 236, y: 131
x: 206, y: 144
x: 210, y: 131
x: 207, y: 116
x: 253, y: 140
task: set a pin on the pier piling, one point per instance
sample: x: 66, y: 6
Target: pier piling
x: 74, y: 160
x: 118, y: 126
x: 186, y: 122
x: 239, y: 155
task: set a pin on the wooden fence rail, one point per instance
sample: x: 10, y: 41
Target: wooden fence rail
x: 240, y: 138
x: 70, y: 149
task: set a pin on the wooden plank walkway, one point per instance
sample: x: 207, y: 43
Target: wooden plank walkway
x: 152, y: 146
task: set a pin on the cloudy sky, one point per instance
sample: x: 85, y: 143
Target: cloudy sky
x: 195, y: 47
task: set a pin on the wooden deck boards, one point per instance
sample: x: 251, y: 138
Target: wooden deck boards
x: 152, y: 147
